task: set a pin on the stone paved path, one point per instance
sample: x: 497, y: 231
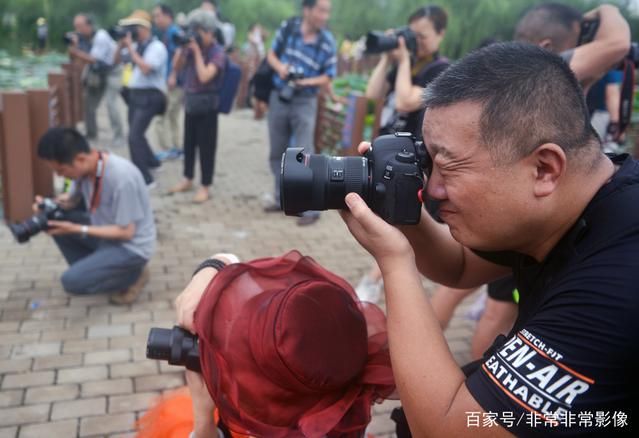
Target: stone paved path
x: 75, y: 366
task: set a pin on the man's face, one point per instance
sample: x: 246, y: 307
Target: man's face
x: 428, y: 40
x: 81, y: 26
x: 74, y: 170
x: 319, y: 14
x: 144, y: 33
x: 161, y: 20
x: 483, y: 203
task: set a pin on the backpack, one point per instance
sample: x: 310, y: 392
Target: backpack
x: 229, y: 86
x: 262, y: 81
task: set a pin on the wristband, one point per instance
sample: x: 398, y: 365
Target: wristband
x: 84, y: 231
x: 210, y: 263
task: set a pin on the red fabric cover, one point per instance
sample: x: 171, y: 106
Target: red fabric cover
x: 287, y: 350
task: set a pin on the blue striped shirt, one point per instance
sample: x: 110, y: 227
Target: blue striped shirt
x: 315, y: 58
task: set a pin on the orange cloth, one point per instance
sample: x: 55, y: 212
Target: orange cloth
x: 171, y: 417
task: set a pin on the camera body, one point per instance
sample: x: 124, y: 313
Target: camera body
x: 118, y: 33
x: 379, y: 42
x: 389, y: 178
x: 183, y: 37
x: 287, y: 92
x: 67, y: 38
x: 48, y: 210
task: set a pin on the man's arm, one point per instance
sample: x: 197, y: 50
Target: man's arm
x: 377, y: 87
x: 280, y: 68
x: 408, y: 97
x: 613, y: 99
x: 429, y: 381
x: 108, y: 232
x: 591, y: 61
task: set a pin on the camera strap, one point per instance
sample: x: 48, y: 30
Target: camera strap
x: 627, y: 93
x: 97, y: 184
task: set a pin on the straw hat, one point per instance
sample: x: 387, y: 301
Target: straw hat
x: 137, y: 18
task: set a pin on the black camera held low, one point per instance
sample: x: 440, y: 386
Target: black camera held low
x: 67, y: 38
x: 119, y: 32
x: 380, y: 42
x: 176, y: 346
x: 389, y: 178
x: 48, y: 210
x: 287, y: 92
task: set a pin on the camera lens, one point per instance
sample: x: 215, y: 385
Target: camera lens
x: 177, y: 346
x: 319, y: 182
x: 29, y: 228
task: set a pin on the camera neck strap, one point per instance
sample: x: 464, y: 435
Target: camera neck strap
x: 97, y: 183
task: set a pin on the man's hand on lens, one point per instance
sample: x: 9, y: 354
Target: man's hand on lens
x: 60, y: 228
x: 189, y: 298
x: 194, y: 46
x: 383, y: 241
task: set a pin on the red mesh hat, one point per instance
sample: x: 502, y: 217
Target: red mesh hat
x: 287, y: 350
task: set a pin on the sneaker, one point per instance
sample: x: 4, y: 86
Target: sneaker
x: 131, y: 294
x: 163, y: 155
x: 369, y: 290
x: 175, y: 154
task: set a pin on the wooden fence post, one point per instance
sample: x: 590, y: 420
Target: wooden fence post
x: 16, y: 158
x: 40, y: 121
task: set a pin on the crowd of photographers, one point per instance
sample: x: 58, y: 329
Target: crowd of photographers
x: 500, y: 151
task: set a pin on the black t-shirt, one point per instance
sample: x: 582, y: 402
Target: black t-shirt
x: 411, y: 122
x: 573, y: 354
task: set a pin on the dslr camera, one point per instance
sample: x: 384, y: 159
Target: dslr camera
x: 176, y: 346
x: 182, y: 37
x: 290, y: 88
x: 389, y: 178
x: 67, y: 38
x: 48, y: 209
x: 119, y: 32
x: 379, y: 42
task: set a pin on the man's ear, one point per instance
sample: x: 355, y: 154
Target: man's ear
x: 546, y: 43
x: 550, y: 163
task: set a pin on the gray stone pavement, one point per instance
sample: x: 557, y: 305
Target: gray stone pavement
x: 75, y: 365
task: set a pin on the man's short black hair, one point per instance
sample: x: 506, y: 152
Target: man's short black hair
x: 436, y: 14
x: 62, y: 145
x: 529, y: 97
x: 309, y: 3
x: 166, y: 9
x: 554, y: 21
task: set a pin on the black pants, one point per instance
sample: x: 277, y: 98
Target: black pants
x: 200, y: 130
x: 143, y: 106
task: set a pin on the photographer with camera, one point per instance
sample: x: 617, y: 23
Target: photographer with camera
x: 147, y: 87
x: 557, y: 27
x: 167, y: 126
x: 105, y: 229
x: 303, y: 57
x: 524, y: 188
x: 410, y: 70
x: 280, y: 347
x: 101, y: 76
x: 202, y: 60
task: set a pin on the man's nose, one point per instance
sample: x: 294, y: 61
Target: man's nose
x: 435, y: 186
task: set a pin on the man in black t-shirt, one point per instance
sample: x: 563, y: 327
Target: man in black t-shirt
x: 400, y: 76
x: 525, y: 189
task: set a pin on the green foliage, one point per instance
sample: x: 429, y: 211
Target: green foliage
x: 470, y: 21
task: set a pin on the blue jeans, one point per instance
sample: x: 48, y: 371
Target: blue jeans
x: 96, y: 265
